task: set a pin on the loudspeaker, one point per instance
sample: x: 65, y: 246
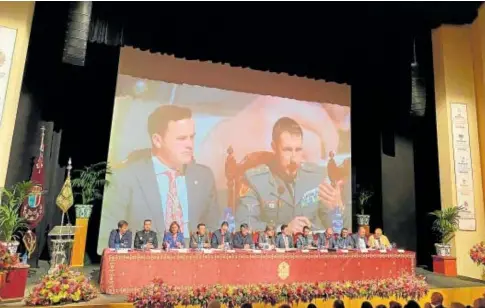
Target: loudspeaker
x: 76, y: 41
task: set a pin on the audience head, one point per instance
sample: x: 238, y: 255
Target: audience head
x: 247, y: 305
x: 311, y: 305
x: 284, y: 229
x: 224, y: 226
x: 122, y: 226
x: 344, y: 232
x: 174, y: 227
x: 329, y: 232
x: 214, y: 304
x: 201, y: 229
x: 381, y: 306
x: 306, y: 230
x: 361, y: 231
x: 412, y: 304
x: 393, y: 304
x: 457, y: 305
x: 147, y: 225
x: 479, y: 303
x: 269, y: 230
x: 436, y: 299
x: 338, y: 304
x: 244, y: 229
x: 377, y: 233
x: 366, y: 304
x: 285, y: 306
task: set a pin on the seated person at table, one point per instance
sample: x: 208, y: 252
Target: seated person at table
x: 327, y: 240
x: 360, y: 240
x: 305, y: 240
x: 121, y: 237
x: 221, y: 237
x: 243, y: 239
x: 200, y: 237
x: 378, y: 240
x: 345, y: 241
x: 146, y: 239
x: 174, y: 238
x: 267, y: 238
x: 284, y: 239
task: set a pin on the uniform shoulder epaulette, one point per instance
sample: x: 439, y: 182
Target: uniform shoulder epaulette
x: 311, y: 167
x: 261, y: 169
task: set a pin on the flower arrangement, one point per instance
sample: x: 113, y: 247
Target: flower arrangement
x: 60, y: 287
x: 159, y: 294
x: 477, y: 253
x: 7, y: 260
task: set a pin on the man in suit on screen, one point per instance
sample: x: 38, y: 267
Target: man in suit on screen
x: 166, y: 184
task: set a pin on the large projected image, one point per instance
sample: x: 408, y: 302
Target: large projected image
x: 195, y: 154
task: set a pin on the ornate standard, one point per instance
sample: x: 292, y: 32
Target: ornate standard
x: 62, y: 236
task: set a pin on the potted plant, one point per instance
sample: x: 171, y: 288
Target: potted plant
x: 88, y: 184
x: 362, y: 202
x: 445, y: 224
x: 12, y: 224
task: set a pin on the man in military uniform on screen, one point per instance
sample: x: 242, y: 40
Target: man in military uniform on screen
x: 288, y: 190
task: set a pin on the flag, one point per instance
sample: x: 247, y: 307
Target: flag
x: 65, y: 199
x: 33, y: 207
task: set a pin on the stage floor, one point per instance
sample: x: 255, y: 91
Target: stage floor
x: 457, y: 287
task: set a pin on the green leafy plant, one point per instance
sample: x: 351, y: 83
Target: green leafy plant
x: 12, y: 224
x: 446, y: 223
x: 90, y: 181
x: 363, y: 199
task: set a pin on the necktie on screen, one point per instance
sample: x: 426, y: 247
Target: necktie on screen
x: 173, y: 210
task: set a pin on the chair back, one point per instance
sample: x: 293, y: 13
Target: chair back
x: 235, y: 172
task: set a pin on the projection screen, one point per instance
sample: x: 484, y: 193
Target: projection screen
x: 245, y: 146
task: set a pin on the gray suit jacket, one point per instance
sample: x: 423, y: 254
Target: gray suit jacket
x: 133, y: 195
x: 264, y: 239
x: 355, y: 240
x: 216, y: 239
x: 280, y: 242
x: 270, y: 200
x: 322, y: 241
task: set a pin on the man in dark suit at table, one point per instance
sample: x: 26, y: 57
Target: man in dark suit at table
x: 146, y: 239
x: 121, y: 237
x: 165, y: 184
x: 284, y: 240
x: 243, y: 239
x: 221, y: 236
x: 327, y: 239
x: 359, y: 239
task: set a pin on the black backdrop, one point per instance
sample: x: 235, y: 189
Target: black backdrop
x: 367, y: 45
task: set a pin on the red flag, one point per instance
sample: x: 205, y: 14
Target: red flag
x: 33, y: 206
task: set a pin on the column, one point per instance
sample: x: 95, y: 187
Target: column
x: 455, y: 76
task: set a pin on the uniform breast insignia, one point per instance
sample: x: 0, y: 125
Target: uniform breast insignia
x: 310, y: 197
x: 262, y: 169
x: 283, y: 270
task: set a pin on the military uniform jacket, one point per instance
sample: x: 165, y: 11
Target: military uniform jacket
x: 143, y: 238
x: 270, y: 200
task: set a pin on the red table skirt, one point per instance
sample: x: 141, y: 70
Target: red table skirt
x: 122, y: 273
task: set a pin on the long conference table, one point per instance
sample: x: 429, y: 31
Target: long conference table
x: 123, y: 273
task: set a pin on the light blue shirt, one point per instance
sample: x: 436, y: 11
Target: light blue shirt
x: 163, y: 187
x: 361, y: 243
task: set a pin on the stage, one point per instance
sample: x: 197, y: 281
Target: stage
x: 454, y: 290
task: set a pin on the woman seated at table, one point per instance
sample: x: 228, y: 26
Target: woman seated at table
x: 174, y: 238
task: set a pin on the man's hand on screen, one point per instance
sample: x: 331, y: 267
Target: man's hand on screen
x: 330, y: 196
x: 297, y: 224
